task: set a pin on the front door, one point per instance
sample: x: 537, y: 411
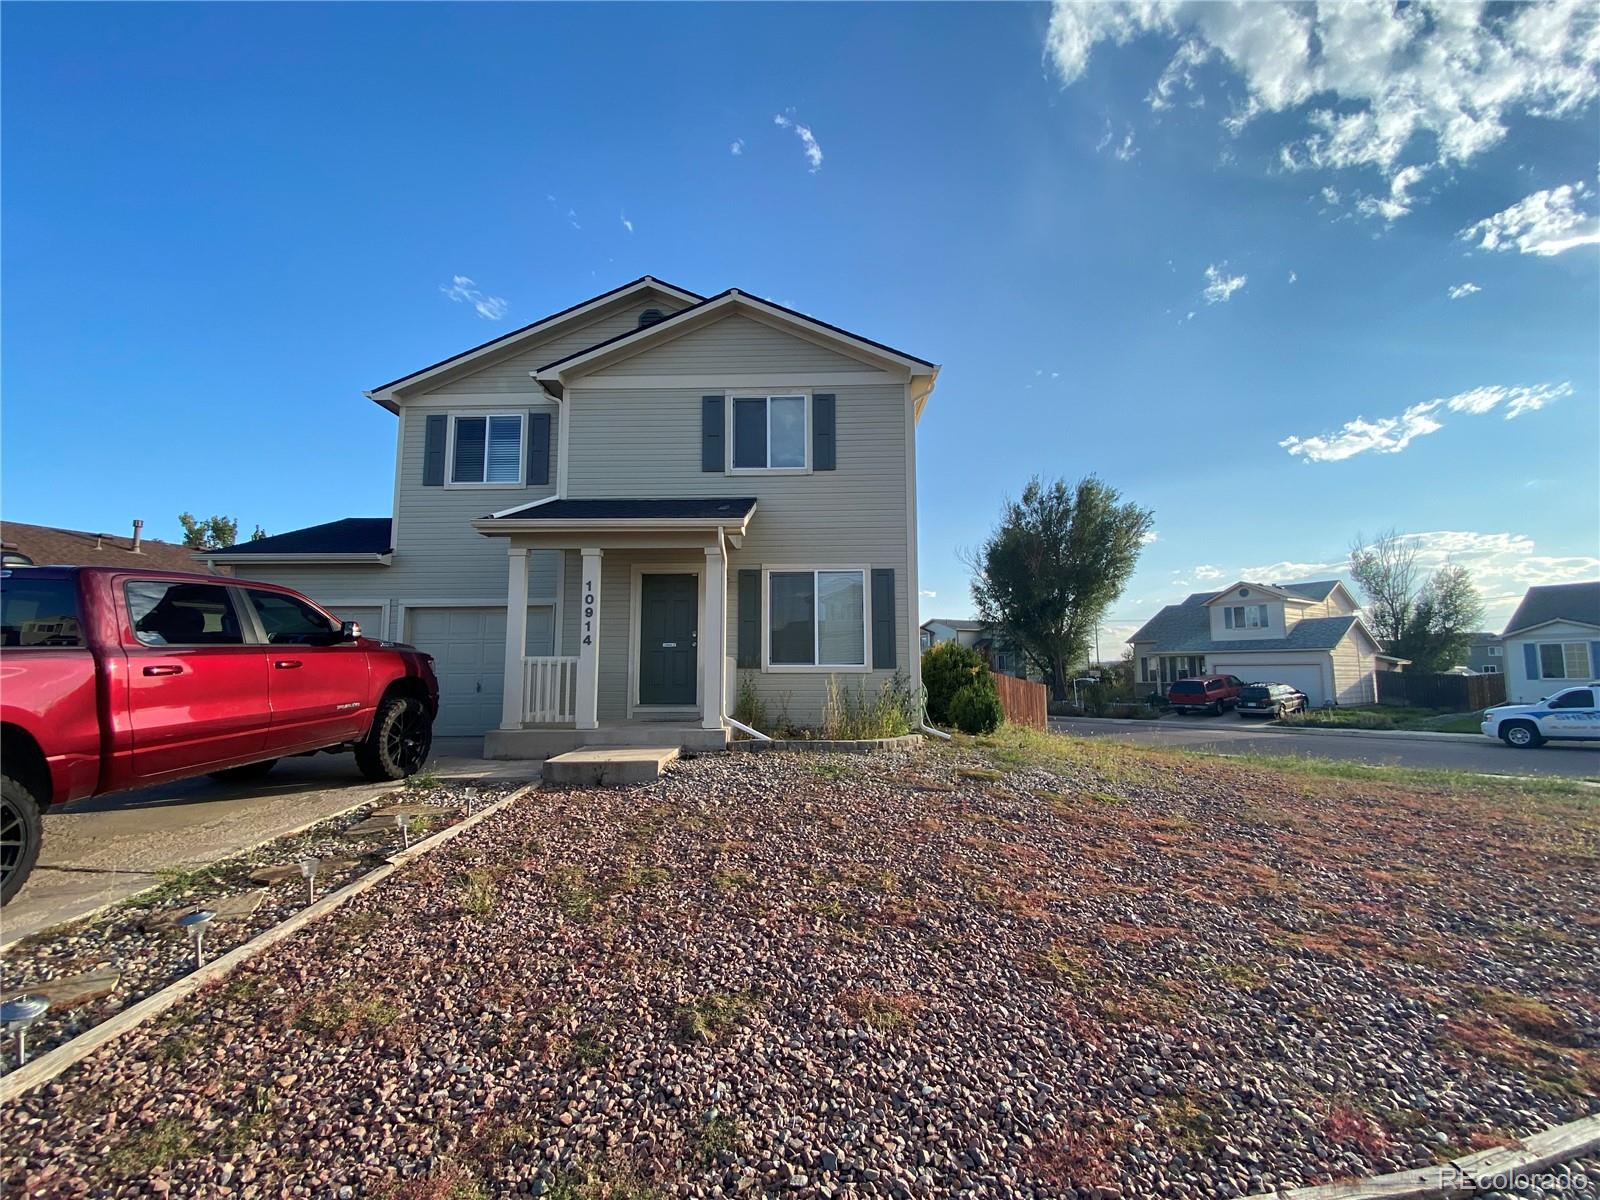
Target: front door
x: 669, y: 618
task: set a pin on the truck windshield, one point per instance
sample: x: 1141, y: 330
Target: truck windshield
x: 38, y: 612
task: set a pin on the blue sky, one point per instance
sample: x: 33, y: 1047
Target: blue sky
x: 1166, y: 247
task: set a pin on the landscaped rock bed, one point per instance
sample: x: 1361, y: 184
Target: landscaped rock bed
x: 918, y: 974
x: 93, y: 969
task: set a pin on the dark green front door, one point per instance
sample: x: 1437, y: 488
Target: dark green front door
x: 669, y: 617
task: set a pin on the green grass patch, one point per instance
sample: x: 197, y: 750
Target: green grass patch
x: 346, y: 1013
x: 575, y: 895
x: 707, y: 1018
x: 886, y: 1011
x: 166, y: 1143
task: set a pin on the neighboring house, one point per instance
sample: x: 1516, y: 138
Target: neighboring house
x: 45, y: 545
x: 997, y: 652
x: 1486, y: 655
x: 597, y: 515
x: 1308, y: 635
x: 1552, y: 641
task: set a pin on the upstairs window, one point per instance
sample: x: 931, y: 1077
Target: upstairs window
x: 769, y: 433
x: 1245, y: 616
x: 486, y: 451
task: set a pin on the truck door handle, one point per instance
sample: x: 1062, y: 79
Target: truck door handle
x: 287, y: 664
x: 164, y: 669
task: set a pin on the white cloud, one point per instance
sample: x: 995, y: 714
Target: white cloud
x: 1463, y: 290
x: 1544, y: 223
x: 813, y: 152
x: 1399, y: 202
x: 626, y: 224
x: 1207, y: 571
x: 1220, y: 286
x: 572, y: 218
x: 1503, y: 565
x: 1388, y: 87
x: 929, y: 595
x: 462, y: 290
x: 1289, y: 571
x: 1390, y: 435
x: 736, y: 148
x: 1148, y: 538
x: 1122, y: 150
x: 1294, y: 277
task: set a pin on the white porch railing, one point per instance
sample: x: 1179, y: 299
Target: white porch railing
x: 549, y: 690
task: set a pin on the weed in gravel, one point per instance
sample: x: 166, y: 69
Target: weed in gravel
x: 163, y: 1144
x: 1346, y: 1126
x: 830, y: 769
x: 588, y: 1048
x: 1184, y: 1125
x: 1524, y: 1014
x: 1065, y: 963
x: 254, y: 1122
x: 717, y: 1135
x: 495, y: 1140
x: 424, y: 781
x: 979, y: 774
x: 449, y: 1180
x: 1240, y: 977
x: 479, y: 892
x: 885, y: 1011
x: 179, y: 1048
x: 706, y: 1018
x: 633, y: 877
x: 736, y: 880
x: 180, y: 881
x: 574, y: 894
x: 346, y: 1013
x: 359, y: 924
x: 614, y: 1181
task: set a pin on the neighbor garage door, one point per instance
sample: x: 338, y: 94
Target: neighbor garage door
x: 469, y: 647
x: 1307, y: 677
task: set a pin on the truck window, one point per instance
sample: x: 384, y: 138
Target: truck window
x: 39, y: 612
x: 291, y: 622
x: 182, y: 614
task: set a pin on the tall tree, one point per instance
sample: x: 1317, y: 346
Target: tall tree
x: 1052, y: 567
x: 1428, y: 620
x: 213, y: 533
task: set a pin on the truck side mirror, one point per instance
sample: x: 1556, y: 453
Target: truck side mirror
x: 349, y: 631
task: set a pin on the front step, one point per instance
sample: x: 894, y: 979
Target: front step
x: 547, y: 742
x: 606, y: 767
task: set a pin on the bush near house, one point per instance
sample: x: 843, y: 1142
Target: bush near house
x: 946, y: 669
x: 976, y: 708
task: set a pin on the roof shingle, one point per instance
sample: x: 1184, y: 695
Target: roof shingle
x: 1557, y: 602
x: 49, y: 546
x: 351, y: 535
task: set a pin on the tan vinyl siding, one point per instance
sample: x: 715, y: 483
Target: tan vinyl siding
x: 735, y: 343
x: 509, y: 372
x: 1352, y: 671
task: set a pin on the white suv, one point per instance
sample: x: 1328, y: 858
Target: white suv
x: 1567, y: 716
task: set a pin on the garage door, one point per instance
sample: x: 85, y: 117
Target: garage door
x: 1307, y: 677
x: 369, y: 615
x: 469, y: 647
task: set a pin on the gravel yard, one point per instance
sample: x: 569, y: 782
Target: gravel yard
x: 985, y: 971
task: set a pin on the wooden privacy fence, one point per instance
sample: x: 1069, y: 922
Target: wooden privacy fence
x: 1460, y: 693
x: 1021, y: 701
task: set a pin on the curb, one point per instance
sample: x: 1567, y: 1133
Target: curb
x: 1415, y: 735
x: 1486, y: 1170
x: 47, y: 1066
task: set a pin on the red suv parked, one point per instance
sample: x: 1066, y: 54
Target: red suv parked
x: 113, y: 679
x: 1207, y: 693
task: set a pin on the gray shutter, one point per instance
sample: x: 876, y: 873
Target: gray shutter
x: 713, y: 456
x: 538, y: 466
x: 433, y: 451
x: 884, y: 653
x: 823, y: 441
x: 749, y: 652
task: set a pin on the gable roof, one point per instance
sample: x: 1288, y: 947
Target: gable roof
x: 363, y: 536
x: 50, y: 546
x: 1318, y: 590
x: 382, y: 393
x: 1541, y: 605
x: 1186, y: 629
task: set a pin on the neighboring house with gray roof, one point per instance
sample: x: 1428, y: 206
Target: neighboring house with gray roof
x: 609, y: 523
x: 1552, y: 641
x: 1486, y: 655
x: 1308, y: 635
x: 996, y: 650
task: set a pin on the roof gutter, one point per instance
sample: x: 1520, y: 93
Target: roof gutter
x: 383, y: 560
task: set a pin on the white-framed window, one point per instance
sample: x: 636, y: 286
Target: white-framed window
x: 1245, y: 616
x: 769, y: 433
x: 816, y: 619
x: 1494, y: 651
x: 1563, y: 660
x: 1491, y: 669
x: 484, y: 450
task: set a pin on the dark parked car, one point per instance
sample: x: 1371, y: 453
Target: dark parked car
x: 118, y: 679
x: 1270, y: 700
x: 1208, y: 693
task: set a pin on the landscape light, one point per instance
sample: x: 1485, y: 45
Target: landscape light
x: 20, y: 1013
x: 308, y: 869
x: 196, y: 923
x: 405, y: 831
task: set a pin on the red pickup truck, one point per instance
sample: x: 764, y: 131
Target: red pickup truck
x: 113, y: 679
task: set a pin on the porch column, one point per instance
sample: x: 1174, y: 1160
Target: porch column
x: 714, y: 647
x: 511, y: 714
x: 589, y: 640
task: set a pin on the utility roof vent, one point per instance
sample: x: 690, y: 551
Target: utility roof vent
x: 651, y: 316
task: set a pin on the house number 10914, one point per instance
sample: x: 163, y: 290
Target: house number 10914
x: 588, y: 612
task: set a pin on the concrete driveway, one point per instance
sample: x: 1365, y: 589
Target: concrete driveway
x: 1230, y: 734
x: 107, y: 848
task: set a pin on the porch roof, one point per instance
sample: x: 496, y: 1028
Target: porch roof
x: 730, y: 514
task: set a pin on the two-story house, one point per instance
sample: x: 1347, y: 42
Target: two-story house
x: 1308, y: 635
x: 1486, y: 655
x: 602, y: 519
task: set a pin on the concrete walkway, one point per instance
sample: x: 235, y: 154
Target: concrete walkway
x: 107, y: 848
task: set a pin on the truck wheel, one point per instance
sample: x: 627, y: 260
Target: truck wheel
x: 1521, y: 735
x: 399, y: 741
x: 245, y: 774
x: 21, y: 831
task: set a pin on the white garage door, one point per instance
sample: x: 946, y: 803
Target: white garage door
x: 369, y: 615
x: 469, y: 648
x: 1307, y: 677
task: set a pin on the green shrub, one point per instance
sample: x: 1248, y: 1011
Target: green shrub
x: 750, y: 709
x: 851, y: 713
x: 976, y: 708
x: 946, y: 669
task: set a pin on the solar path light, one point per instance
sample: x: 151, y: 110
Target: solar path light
x: 18, y: 1014
x: 195, y: 923
x: 308, y: 869
x: 403, y: 825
